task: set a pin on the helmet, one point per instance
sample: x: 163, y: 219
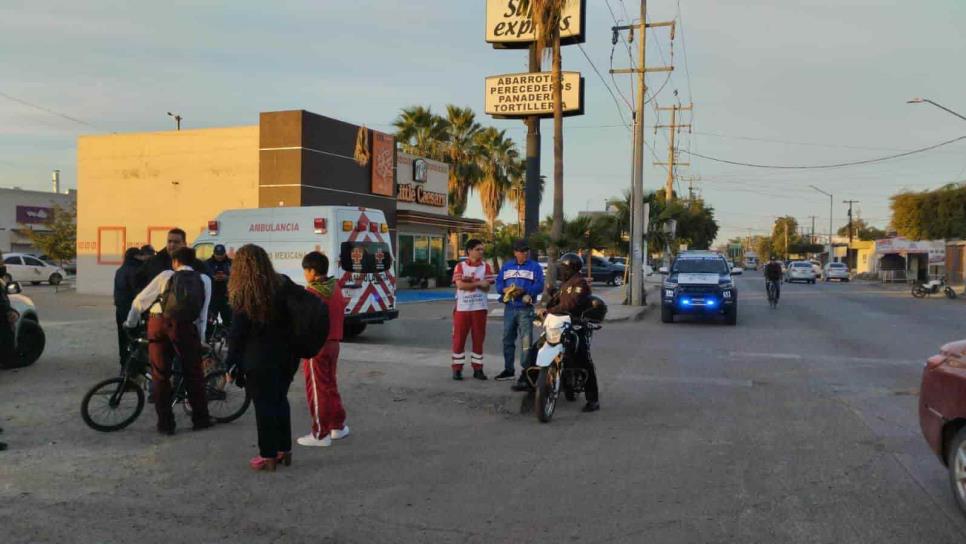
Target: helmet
x: 571, y: 261
x: 596, y: 309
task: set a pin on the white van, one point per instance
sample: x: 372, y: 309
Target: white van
x: 356, y: 240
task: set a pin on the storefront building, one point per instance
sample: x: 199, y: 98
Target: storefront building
x: 22, y: 210
x: 422, y: 203
x: 135, y: 187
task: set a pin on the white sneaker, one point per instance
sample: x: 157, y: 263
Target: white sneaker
x: 339, y: 434
x: 309, y: 440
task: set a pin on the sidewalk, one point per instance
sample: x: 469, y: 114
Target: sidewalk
x: 614, y: 297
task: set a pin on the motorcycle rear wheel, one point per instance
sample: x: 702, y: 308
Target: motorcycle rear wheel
x: 548, y: 388
x: 950, y: 293
x: 918, y: 292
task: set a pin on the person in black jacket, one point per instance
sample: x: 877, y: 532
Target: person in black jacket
x: 161, y: 261
x: 259, y: 353
x: 219, y: 268
x: 125, y: 289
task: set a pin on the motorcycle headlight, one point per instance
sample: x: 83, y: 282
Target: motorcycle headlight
x: 554, y: 335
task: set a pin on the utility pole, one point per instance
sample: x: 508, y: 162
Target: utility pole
x: 531, y: 209
x: 672, y: 150
x: 637, y: 183
x: 786, y: 238
x: 830, y: 210
x: 811, y: 239
x: 848, y: 252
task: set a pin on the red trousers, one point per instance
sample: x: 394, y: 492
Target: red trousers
x: 463, y: 324
x: 168, y: 338
x: 322, y: 392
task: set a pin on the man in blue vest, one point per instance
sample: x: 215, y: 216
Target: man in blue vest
x: 519, y: 282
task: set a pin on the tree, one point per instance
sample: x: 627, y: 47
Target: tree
x: 784, y: 235
x: 462, y: 153
x: 546, y: 15
x: 497, y: 154
x: 862, y: 230
x: 421, y: 132
x: 931, y: 215
x: 59, y: 240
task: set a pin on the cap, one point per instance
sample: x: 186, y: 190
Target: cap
x: 521, y: 245
x: 219, y: 249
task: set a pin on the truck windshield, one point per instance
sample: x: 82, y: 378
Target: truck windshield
x: 709, y: 265
x: 365, y: 257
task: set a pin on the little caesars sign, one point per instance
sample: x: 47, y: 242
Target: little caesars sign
x: 525, y: 94
x: 509, y: 24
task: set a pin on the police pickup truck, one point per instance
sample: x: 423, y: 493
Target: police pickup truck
x: 699, y: 282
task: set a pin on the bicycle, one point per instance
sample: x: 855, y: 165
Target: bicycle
x: 217, y: 336
x: 772, y: 288
x: 115, y: 403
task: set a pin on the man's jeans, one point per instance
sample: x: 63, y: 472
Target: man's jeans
x: 517, y: 324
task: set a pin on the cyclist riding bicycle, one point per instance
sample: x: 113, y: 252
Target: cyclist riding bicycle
x: 773, y: 277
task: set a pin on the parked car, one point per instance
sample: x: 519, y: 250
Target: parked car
x: 942, y: 412
x: 648, y: 270
x: 22, y: 268
x: 605, y: 271
x: 817, y: 267
x: 800, y: 271
x: 29, y: 339
x: 836, y: 271
x: 69, y: 266
x: 735, y: 270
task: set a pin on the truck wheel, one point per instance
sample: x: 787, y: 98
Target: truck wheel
x: 617, y: 279
x: 353, y: 329
x: 667, y: 315
x: 956, y: 461
x: 731, y: 316
x: 30, y: 344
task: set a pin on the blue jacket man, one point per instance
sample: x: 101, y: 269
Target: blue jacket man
x: 519, y: 282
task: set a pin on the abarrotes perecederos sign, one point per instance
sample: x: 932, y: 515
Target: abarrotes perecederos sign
x: 525, y: 94
x: 509, y: 23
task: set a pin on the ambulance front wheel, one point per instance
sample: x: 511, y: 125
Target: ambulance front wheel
x: 354, y: 329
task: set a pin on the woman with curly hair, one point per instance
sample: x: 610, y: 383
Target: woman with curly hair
x: 260, y: 352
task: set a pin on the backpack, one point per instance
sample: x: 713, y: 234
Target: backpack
x: 183, y: 297
x: 309, y: 317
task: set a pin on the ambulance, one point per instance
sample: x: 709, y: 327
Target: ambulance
x: 356, y: 241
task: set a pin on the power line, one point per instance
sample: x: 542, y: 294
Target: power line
x: 47, y: 110
x: 630, y: 55
x: 820, y: 166
x: 606, y: 86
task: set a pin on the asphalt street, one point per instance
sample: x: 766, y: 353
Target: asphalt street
x: 797, y: 425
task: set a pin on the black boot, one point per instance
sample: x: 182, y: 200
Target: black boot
x: 478, y: 374
x: 457, y: 374
x: 591, y: 406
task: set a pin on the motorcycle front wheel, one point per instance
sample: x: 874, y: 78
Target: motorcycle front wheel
x: 950, y: 293
x: 548, y: 387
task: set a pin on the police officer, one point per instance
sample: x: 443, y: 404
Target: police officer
x: 572, y: 299
x: 219, y: 268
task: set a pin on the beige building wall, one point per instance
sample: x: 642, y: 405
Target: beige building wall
x: 132, y: 188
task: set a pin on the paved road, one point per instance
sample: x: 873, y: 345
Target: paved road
x: 798, y: 425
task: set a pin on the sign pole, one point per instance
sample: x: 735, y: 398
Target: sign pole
x: 531, y: 212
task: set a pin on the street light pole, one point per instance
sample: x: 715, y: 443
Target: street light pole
x: 940, y: 106
x: 830, y: 204
x: 177, y: 119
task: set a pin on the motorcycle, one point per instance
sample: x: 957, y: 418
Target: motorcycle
x: 556, y: 368
x: 933, y: 287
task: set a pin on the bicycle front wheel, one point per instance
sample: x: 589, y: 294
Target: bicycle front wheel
x: 226, y: 402
x: 112, y: 404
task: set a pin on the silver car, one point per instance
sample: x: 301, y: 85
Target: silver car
x: 836, y: 271
x: 29, y: 339
x: 800, y: 271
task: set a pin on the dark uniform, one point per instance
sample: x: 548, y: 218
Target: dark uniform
x: 125, y: 289
x: 219, y: 272
x: 573, y: 300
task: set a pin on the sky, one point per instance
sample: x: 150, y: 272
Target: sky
x: 776, y: 82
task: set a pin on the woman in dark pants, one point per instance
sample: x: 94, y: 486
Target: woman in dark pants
x: 260, y: 353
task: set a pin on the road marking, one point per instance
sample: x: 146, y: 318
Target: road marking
x: 53, y: 324
x: 826, y: 358
x: 687, y: 380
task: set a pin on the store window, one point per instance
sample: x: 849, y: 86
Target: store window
x: 422, y: 249
x: 405, y: 254
x: 436, y: 255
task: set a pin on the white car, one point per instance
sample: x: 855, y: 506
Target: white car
x: 800, y: 271
x: 29, y: 339
x: 836, y: 271
x: 24, y: 268
x: 735, y: 270
x: 817, y: 267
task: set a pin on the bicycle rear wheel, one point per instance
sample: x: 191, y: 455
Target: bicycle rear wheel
x: 226, y: 402
x: 112, y: 404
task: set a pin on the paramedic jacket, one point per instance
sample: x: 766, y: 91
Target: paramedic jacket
x: 528, y: 276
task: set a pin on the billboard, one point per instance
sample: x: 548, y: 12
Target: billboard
x: 510, y: 96
x: 34, y: 215
x: 509, y: 24
x: 383, y: 163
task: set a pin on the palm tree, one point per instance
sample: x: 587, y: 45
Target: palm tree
x: 420, y: 132
x: 496, y: 152
x: 517, y: 192
x: 546, y: 16
x: 462, y: 154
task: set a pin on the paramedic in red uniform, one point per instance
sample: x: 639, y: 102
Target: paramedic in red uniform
x: 473, y: 278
